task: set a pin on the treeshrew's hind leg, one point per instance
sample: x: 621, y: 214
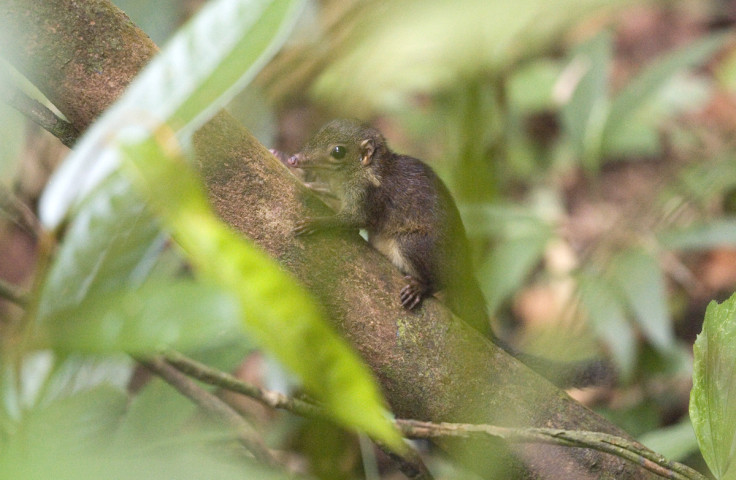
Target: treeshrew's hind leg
x: 412, y: 292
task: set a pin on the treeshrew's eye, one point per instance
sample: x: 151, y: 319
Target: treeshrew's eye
x: 338, y: 152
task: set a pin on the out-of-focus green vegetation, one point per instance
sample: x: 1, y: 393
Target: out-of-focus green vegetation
x: 587, y: 145
x: 712, y: 401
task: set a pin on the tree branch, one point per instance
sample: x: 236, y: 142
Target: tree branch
x: 601, y: 442
x: 411, y: 465
x: 44, y: 117
x: 208, y: 402
x: 218, y: 378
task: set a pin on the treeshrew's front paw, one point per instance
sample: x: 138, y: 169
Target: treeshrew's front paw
x: 306, y: 226
x: 412, y: 293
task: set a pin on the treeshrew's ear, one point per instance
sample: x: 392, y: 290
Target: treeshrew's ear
x: 367, y: 149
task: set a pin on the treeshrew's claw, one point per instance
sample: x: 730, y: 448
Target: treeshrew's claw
x: 304, y: 227
x: 411, y: 294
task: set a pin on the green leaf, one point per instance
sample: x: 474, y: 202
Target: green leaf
x: 204, y: 65
x: 643, y: 89
x: 504, y: 221
x: 74, y: 373
x: 279, y: 313
x: 706, y: 183
x: 144, y: 414
x: 163, y: 313
x: 607, y: 316
x: 638, y: 138
x: 530, y: 86
x: 48, y: 438
x: 702, y: 236
x: 638, y: 276
x: 94, y: 298
x: 21, y: 386
x: 388, y: 60
x: 111, y: 244
x: 76, y: 438
x: 676, y: 442
x: 41, y: 378
x: 232, y: 41
x: 713, y: 396
x: 507, y: 267
x: 640, y: 134
x: 521, y: 237
x: 585, y: 113
x: 84, y: 418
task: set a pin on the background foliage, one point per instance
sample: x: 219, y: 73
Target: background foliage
x: 589, y: 146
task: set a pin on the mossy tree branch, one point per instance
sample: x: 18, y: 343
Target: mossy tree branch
x: 431, y: 367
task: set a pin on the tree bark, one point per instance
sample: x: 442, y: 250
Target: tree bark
x: 82, y: 54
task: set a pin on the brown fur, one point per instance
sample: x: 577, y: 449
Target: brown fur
x: 407, y: 211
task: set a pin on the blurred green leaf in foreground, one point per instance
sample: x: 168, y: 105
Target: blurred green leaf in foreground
x: 713, y: 397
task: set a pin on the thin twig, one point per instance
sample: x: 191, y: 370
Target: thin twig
x: 410, y: 464
x: 211, y: 404
x: 40, y: 114
x: 226, y: 381
x: 601, y: 442
x: 19, y: 213
x: 13, y: 294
